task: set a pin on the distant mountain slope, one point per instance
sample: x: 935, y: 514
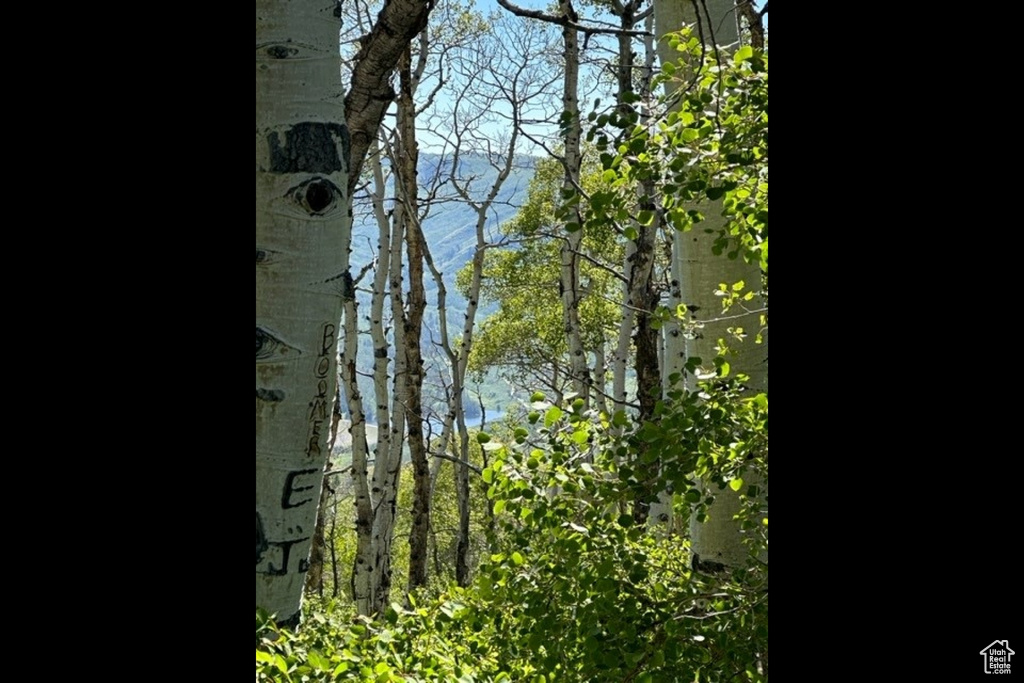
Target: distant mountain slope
x: 450, y: 232
x: 450, y: 225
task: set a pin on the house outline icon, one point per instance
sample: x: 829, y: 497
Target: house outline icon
x: 1001, y: 644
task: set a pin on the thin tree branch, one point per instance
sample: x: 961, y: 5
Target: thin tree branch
x: 445, y: 456
x: 567, y: 21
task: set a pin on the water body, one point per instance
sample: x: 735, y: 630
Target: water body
x: 471, y: 423
x: 343, y: 446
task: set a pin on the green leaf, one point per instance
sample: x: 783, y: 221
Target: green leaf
x: 517, y: 558
x: 736, y: 484
x: 714, y: 193
x: 487, y: 475
x: 499, y: 506
x: 318, y: 661
x: 552, y: 416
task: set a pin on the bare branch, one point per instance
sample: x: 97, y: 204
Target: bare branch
x: 571, y: 22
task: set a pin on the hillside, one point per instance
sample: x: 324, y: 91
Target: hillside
x: 449, y: 229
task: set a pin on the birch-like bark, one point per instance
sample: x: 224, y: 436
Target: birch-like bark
x: 363, y: 569
x: 620, y: 356
x: 303, y: 229
x: 392, y: 467
x: 387, y: 460
x: 406, y: 186
x: 315, y: 575
x: 696, y: 274
x: 569, y: 283
x: 640, y: 298
x: 638, y: 256
x: 465, y: 348
x: 598, y: 378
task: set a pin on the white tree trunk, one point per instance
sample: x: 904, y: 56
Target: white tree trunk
x: 362, y: 571
x: 388, y: 469
x: 461, y: 359
x: 303, y: 231
x: 620, y: 357
x: 696, y: 274
x: 388, y: 461
x: 570, y: 272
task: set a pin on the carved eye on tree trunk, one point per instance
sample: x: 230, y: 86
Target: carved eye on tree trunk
x: 270, y: 349
x: 317, y: 196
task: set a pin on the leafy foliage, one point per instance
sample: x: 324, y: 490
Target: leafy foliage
x: 527, y: 333
x: 409, y: 645
x: 628, y: 607
x: 711, y: 144
x: 570, y: 588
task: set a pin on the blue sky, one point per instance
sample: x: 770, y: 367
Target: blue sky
x: 495, y: 125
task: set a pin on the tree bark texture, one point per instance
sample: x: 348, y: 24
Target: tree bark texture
x: 696, y: 274
x: 315, y: 575
x: 570, y: 272
x: 371, y: 93
x: 303, y: 229
x: 388, y: 460
x: 363, y: 569
x: 407, y: 186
